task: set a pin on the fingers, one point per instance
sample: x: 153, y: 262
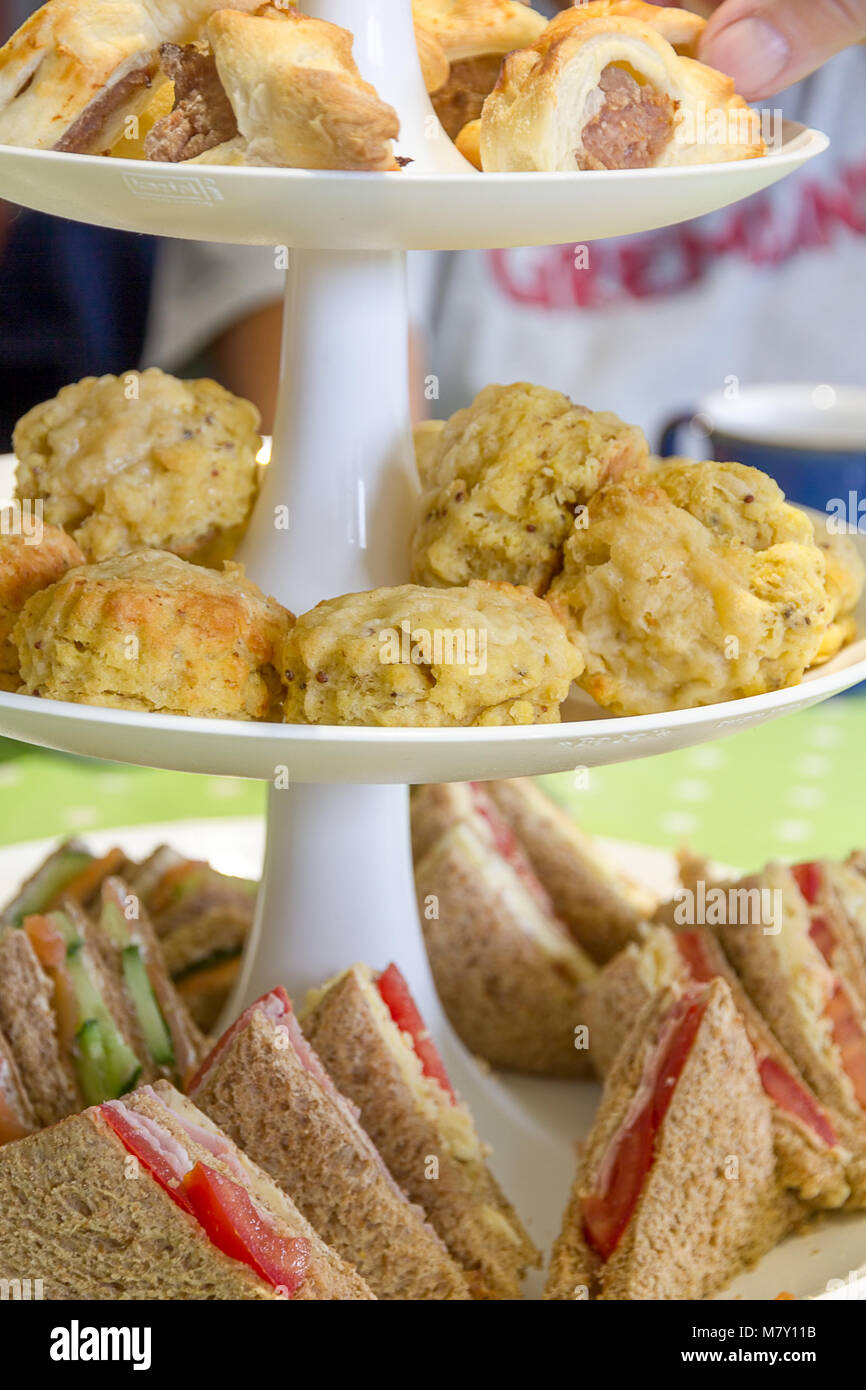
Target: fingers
x: 766, y: 45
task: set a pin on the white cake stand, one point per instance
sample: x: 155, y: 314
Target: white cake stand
x: 338, y: 877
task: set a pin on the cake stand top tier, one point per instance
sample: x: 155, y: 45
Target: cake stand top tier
x: 410, y: 210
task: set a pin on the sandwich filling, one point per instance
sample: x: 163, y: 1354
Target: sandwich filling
x: 507, y: 845
x: 70, y: 872
x: 94, y: 130
x: 15, y: 1121
x: 630, y: 123
x: 225, y: 1207
x: 778, y: 1083
x: 627, y: 1161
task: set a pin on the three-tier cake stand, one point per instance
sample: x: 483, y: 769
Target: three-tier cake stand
x: 337, y: 883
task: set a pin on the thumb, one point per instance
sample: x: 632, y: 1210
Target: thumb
x: 765, y: 45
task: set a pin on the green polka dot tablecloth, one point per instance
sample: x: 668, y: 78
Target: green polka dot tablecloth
x: 784, y: 790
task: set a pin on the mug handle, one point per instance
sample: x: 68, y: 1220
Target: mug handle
x: 670, y: 432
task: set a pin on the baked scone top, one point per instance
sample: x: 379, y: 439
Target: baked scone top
x: 502, y: 481
x: 150, y: 631
x: 669, y: 613
x: 483, y: 654
x: 25, y: 568
x: 140, y: 460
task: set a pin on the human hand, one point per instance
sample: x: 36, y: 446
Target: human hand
x: 766, y: 45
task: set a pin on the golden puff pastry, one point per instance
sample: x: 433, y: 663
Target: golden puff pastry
x: 483, y: 654
x: 75, y: 71
x: 473, y: 37
x: 609, y: 92
x: 669, y: 613
x: 28, y: 563
x: 143, y: 460
x: 274, y: 88
x: 680, y: 28
x: 502, y: 480
x: 148, y: 631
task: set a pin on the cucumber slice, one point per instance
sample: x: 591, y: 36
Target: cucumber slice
x: 91, y: 1063
x: 34, y: 897
x: 121, y: 1068
x: 151, y: 1021
x: 114, y: 923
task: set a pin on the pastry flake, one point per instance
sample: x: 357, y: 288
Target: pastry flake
x: 472, y: 36
x: 75, y: 71
x: 274, y: 88
x: 483, y: 654
x: 607, y: 91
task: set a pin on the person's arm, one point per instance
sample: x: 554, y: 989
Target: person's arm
x: 246, y: 359
x: 765, y: 45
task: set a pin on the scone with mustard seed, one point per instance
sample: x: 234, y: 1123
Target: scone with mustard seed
x: 143, y: 460
x: 502, y: 480
x: 846, y: 577
x: 149, y: 631
x: 669, y: 608
x: 483, y: 654
x: 28, y: 563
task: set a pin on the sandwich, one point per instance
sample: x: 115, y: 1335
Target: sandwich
x: 76, y: 72
x: 16, y: 1113
x: 600, y: 906
x: 803, y: 975
x: 369, y: 1035
x: 146, y: 1198
x: 675, y: 1190
x: 507, y: 972
x: 70, y: 871
x: 202, y: 919
x: 810, y: 1156
x: 265, y: 1087
x: 837, y: 892
x: 86, y: 1006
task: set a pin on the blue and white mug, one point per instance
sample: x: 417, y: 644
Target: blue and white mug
x: 810, y: 437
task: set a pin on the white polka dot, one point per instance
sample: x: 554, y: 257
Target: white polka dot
x: 807, y: 798
x: 224, y: 788
x: 80, y: 817
x: 10, y: 775
x: 794, y: 830
x: 691, y: 789
x: 114, y: 783
x: 824, y: 397
x: 707, y: 759
x: 825, y: 736
x: 678, y: 822
x: 813, y: 765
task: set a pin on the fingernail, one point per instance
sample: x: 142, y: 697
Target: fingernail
x: 752, y: 52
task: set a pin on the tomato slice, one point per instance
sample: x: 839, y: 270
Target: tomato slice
x: 789, y: 1095
x: 809, y: 880
x: 823, y: 936
x: 507, y: 845
x: 693, y: 949
x: 282, y: 1006
x: 48, y: 943
x: 236, y: 1226
x: 404, y: 1011
x: 148, y: 1153
x: 607, y: 1212
x: 849, y: 1038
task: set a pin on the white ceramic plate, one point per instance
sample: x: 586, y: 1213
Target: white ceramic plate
x: 403, y: 211
x: 551, y: 1115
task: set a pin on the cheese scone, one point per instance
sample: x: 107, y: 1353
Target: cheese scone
x: 601, y: 89
x: 502, y: 481
x: 669, y: 612
x: 484, y: 654
x: 846, y: 577
x: 148, y: 631
x: 473, y: 37
x: 143, y: 460
x: 273, y: 88
x: 73, y: 74
x: 25, y: 568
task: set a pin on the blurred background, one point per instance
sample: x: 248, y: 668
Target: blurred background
x: 772, y: 290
